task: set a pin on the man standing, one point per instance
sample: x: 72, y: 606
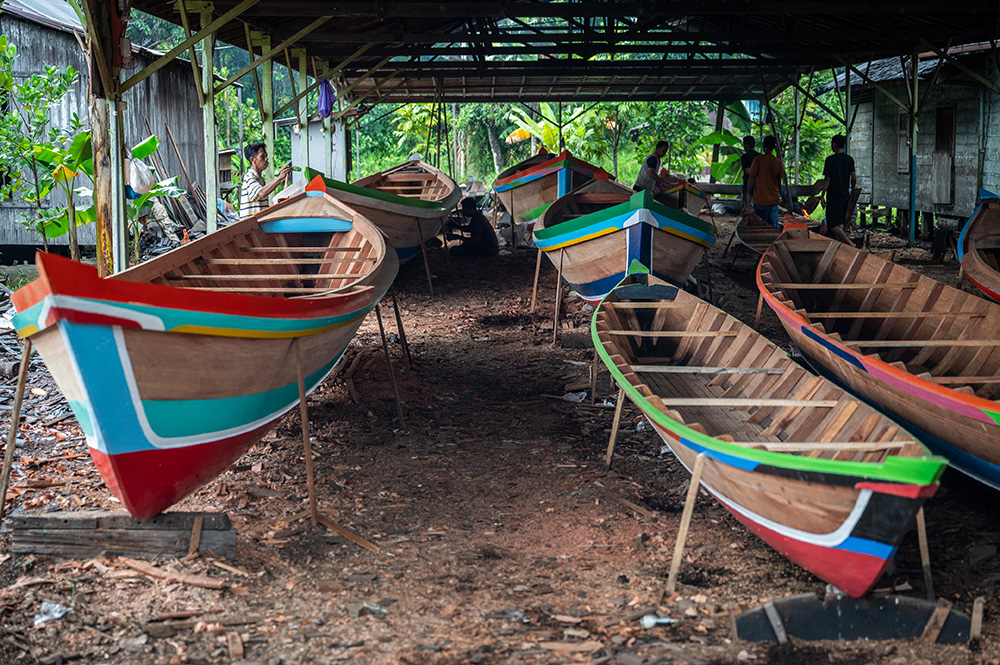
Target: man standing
x: 649, y: 177
x: 255, y: 190
x: 764, y: 182
x: 841, y: 181
x: 746, y: 160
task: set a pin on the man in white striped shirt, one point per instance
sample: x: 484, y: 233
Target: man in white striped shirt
x: 254, y: 190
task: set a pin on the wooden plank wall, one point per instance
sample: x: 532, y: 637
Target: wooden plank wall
x: 167, y: 97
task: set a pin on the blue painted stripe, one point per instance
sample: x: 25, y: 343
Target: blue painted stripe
x: 306, y: 225
x: 725, y: 458
x: 832, y: 348
x: 972, y: 466
x: 865, y: 546
x: 667, y: 223
x: 564, y: 180
x: 189, y: 417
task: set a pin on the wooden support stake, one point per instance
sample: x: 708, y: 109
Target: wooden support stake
x: 423, y: 251
x: 976, y: 628
x: 593, y: 376
x: 925, y: 554
x: 402, y: 332
x: 534, y: 288
x: 306, y: 443
x: 15, y: 424
x: 195, y: 534
x: 775, y: 620
x: 760, y: 306
x: 938, y: 618
x: 708, y: 276
x: 675, y: 565
x: 555, y: 319
x: 350, y: 535
x: 614, y: 429
x: 392, y: 374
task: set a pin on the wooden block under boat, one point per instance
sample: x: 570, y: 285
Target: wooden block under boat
x: 76, y: 535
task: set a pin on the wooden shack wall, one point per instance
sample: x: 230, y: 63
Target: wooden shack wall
x: 167, y: 98
x: 875, y: 148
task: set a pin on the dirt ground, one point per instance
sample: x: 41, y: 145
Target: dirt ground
x: 500, y: 537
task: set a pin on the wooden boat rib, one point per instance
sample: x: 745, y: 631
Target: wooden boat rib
x: 176, y: 367
x: 528, y: 192
x: 925, y: 352
x: 979, y: 245
x: 602, y: 226
x: 817, y: 474
x: 409, y: 202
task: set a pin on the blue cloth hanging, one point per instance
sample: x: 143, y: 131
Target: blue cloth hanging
x: 327, y: 98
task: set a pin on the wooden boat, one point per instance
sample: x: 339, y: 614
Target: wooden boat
x: 176, y: 367
x: 528, y: 192
x: 758, y: 235
x: 684, y: 196
x: 924, y: 352
x: 599, y: 228
x: 409, y: 202
x: 818, y: 475
x: 979, y: 245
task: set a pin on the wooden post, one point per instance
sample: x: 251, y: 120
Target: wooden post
x: 614, y: 429
x: 306, y: 443
x: 101, y: 138
x: 692, y: 494
x: 925, y: 554
x: 423, y: 250
x: 392, y: 374
x: 555, y: 319
x: 15, y: 424
x: 708, y: 276
x: 534, y: 288
x: 208, y: 117
x: 760, y: 305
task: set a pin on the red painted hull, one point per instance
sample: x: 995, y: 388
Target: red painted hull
x: 852, y: 572
x: 147, y: 482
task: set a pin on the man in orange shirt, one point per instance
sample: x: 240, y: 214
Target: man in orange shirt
x: 764, y: 182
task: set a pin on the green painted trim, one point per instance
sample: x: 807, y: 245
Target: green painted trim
x: 371, y: 193
x: 913, y: 470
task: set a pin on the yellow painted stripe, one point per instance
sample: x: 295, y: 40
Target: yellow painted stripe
x: 577, y: 241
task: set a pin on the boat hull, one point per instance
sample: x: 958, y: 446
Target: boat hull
x: 596, y: 250
x: 527, y: 194
x: 820, y: 477
x: 164, y: 413
x: 963, y: 427
x: 979, y: 246
x: 832, y: 535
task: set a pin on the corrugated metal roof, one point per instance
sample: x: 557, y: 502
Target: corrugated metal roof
x: 56, y: 14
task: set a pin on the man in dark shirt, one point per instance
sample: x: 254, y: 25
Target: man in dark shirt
x: 649, y: 177
x: 839, y: 170
x: 746, y: 159
x: 482, y: 240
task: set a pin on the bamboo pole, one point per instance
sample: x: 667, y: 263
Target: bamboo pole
x: 306, y: 443
x: 15, y: 424
x: 593, y: 376
x: 399, y: 326
x: 692, y: 494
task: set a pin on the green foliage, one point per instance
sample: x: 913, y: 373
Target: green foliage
x: 25, y: 130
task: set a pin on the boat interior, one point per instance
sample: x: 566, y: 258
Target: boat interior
x: 270, y: 255
x: 703, y: 368
x: 592, y: 197
x: 914, y: 323
x: 987, y: 246
x: 410, y: 180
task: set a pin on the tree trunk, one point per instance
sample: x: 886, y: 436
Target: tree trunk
x: 38, y: 204
x: 100, y: 130
x: 491, y: 134
x: 74, y: 246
